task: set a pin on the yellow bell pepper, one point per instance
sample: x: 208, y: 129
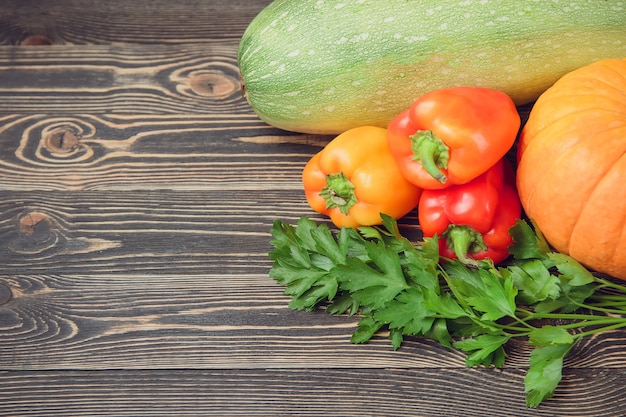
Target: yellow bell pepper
x: 355, y: 178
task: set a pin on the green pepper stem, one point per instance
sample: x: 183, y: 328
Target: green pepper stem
x: 431, y: 153
x: 464, y: 240
x: 339, y: 192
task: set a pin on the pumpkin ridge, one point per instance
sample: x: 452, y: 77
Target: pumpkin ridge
x: 604, y: 72
x: 555, y: 168
x: 539, y: 139
x: 615, y: 75
x: 615, y: 114
x: 608, y: 258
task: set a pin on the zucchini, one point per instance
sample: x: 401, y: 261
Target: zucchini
x: 322, y: 66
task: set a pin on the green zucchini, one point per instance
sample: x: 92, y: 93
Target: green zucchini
x: 322, y: 66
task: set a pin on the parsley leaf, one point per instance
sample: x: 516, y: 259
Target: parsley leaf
x: 487, y: 293
x: 545, y: 373
x: 528, y: 243
x: 300, y: 266
x: 366, y: 329
x: 534, y: 282
x: 549, y: 335
x: 374, y: 283
x: 407, y: 312
x: 571, y: 270
x: 444, y: 305
x: 486, y: 349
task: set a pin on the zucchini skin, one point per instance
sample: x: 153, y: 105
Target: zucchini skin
x: 321, y: 66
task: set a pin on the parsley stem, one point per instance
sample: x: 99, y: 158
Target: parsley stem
x: 523, y: 322
x: 611, y: 297
x: 566, y: 316
x: 616, y: 307
x: 596, y: 307
x: 601, y: 309
x: 617, y: 325
x: 609, y: 284
x: 613, y: 321
x: 608, y: 299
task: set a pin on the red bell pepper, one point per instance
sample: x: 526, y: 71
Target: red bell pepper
x: 451, y: 136
x: 472, y: 220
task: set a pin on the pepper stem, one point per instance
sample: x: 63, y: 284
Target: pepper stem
x: 431, y: 152
x: 339, y: 192
x: 464, y: 240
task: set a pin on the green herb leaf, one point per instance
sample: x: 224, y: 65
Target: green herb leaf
x: 483, y: 290
x: 306, y: 288
x: 343, y: 304
x: 390, y: 224
x: 407, y: 312
x: 575, y: 274
x: 371, y: 232
x: 576, y: 284
x: 396, y: 336
x: 549, y: 335
x: 529, y: 243
x: 439, y: 332
x: 545, y: 373
x: 300, y: 267
x: 444, y: 305
x: 482, y: 349
x: 366, y: 329
x: 408, y: 289
x: 534, y: 282
x: 376, y: 283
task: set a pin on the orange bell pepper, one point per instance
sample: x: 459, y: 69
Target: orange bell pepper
x: 355, y: 178
x: 451, y: 136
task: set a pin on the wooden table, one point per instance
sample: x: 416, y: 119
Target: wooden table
x: 137, y: 191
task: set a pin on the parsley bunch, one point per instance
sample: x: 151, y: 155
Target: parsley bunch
x: 541, y: 295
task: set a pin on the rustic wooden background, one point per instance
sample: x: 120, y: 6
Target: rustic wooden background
x: 137, y: 190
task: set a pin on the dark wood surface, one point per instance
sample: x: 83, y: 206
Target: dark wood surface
x: 137, y: 190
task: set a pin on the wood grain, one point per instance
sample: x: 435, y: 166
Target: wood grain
x: 109, y: 152
x: 35, y: 22
x: 213, y: 232
x: 131, y: 79
x: 291, y: 392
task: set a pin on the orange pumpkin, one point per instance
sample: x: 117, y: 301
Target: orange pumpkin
x: 572, y: 166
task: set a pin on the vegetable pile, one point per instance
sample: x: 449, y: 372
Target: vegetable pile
x: 482, y: 273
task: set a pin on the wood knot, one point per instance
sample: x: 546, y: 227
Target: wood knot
x: 36, y: 40
x: 213, y: 85
x: 33, y: 223
x: 61, y: 140
x: 5, y: 294
x: 36, y: 232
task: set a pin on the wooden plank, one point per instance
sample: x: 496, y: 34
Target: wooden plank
x: 108, y: 152
x: 35, y: 22
x: 129, y: 79
x: 311, y: 392
x: 225, y: 321
x: 211, y: 232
